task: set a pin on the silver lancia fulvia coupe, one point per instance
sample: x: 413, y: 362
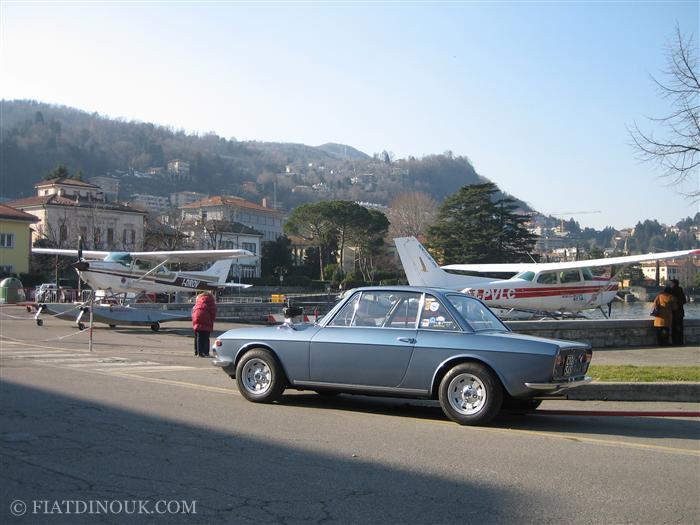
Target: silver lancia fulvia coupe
x: 409, y: 342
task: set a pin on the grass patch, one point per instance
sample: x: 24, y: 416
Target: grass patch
x: 642, y: 374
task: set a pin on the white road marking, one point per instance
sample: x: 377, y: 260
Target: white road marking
x: 104, y: 363
x: 71, y: 360
x: 82, y: 360
x: 34, y: 355
x: 162, y: 368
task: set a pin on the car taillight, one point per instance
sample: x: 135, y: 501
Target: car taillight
x: 217, y: 342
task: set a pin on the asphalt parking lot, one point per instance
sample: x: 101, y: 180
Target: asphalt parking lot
x: 140, y: 418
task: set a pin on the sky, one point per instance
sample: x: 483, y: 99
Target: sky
x: 538, y: 95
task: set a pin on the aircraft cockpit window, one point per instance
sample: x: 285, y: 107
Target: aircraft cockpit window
x: 525, y: 276
x: 147, y: 266
x: 587, y: 274
x: 119, y: 257
x: 143, y: 265
x: 547, y: 278
x: 569, y: 276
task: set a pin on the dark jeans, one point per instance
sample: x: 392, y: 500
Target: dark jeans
x: 201, y: 343
x: 677, y: 329
x: 662, y: 333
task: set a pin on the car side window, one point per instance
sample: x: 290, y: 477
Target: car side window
x: 403, y: 312
x: 345, y: 315
x: 385, y: 309
x: 435, y: 316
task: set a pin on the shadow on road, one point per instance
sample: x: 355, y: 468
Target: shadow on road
x: 54, y: 447
x: 646, y: 427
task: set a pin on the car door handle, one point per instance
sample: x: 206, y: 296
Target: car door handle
x: 406, y: 339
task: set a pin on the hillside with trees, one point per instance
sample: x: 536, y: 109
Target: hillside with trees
x: 36, y: 137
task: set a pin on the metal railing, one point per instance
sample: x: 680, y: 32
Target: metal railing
x: 240, y: 299
x: 64, y: 295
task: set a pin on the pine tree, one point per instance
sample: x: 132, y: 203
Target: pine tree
x: 476, y: 225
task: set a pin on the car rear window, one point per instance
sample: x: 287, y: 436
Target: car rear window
x: 435, y: 316
x: 476, y: 314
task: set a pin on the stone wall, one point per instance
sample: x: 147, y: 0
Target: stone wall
x: 600, y: 333
x: 603, y: 333
x: 244, y: 313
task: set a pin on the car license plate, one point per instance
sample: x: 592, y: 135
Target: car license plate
x: 569, y: 364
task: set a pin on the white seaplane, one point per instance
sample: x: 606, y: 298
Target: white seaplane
x: 141, y: 273
x: 146, y: 272
x: 554, y: 289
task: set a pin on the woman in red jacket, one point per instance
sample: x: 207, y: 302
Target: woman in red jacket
x: 203, y: 317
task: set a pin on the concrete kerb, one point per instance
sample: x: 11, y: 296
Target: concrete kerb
x: 650, y: 392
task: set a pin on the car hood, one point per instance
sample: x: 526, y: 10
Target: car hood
x: 269, y: 333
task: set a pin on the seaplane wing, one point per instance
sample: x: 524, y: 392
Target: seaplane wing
x: 192, y: 255
x: 86, y: 254
x: 569, y: 265
x: 175, y: 256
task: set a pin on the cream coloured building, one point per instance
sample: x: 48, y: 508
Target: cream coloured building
x: 684, y: 270
x: 267, y: 221
x: 68, y: 208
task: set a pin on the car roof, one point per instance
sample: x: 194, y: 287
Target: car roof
x: 404, y: 288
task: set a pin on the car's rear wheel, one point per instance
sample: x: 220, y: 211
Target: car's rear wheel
x: 259, y: 376
x: 470, y: 394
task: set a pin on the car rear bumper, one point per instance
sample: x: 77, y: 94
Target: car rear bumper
x: 558, y: 386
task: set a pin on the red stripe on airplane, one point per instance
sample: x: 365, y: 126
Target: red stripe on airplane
x: 527, y: 293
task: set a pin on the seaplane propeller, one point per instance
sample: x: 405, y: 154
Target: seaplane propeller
x: 80, y: 264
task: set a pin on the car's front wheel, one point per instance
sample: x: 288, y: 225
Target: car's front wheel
x: 470, y: 394
x: 259, y: 376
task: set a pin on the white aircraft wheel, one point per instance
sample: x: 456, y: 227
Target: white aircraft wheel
x: 81, y: 326
x: 39, y: 322
x: 155, y: 326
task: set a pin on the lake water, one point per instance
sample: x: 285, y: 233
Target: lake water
x: 639, y: 310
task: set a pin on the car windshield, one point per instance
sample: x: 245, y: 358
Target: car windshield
x: 476, y: 314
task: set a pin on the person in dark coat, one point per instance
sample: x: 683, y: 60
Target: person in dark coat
x: 203, y: 317
x: 664, y: 305
x: 678, y: 314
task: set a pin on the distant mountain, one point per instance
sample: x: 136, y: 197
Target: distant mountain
x: 342, y: 151
x: 35, y: 137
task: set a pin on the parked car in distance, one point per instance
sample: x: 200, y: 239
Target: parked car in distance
x: 409, y: 342
x: 45, y: 292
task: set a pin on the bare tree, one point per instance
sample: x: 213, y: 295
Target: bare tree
x: 166, y: 234
x: 410, y: 214
x: 676, y: 146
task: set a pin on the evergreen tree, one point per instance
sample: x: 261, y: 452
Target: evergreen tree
x: 60, y: 171
x: 477, y: 225
x: 312, y: 223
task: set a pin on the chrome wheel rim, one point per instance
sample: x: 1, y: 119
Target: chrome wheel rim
x: 257, y: 376
x: 467, y: 394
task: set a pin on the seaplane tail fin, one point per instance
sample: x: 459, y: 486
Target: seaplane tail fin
x: 422, y: 270
x: 219, y: 270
